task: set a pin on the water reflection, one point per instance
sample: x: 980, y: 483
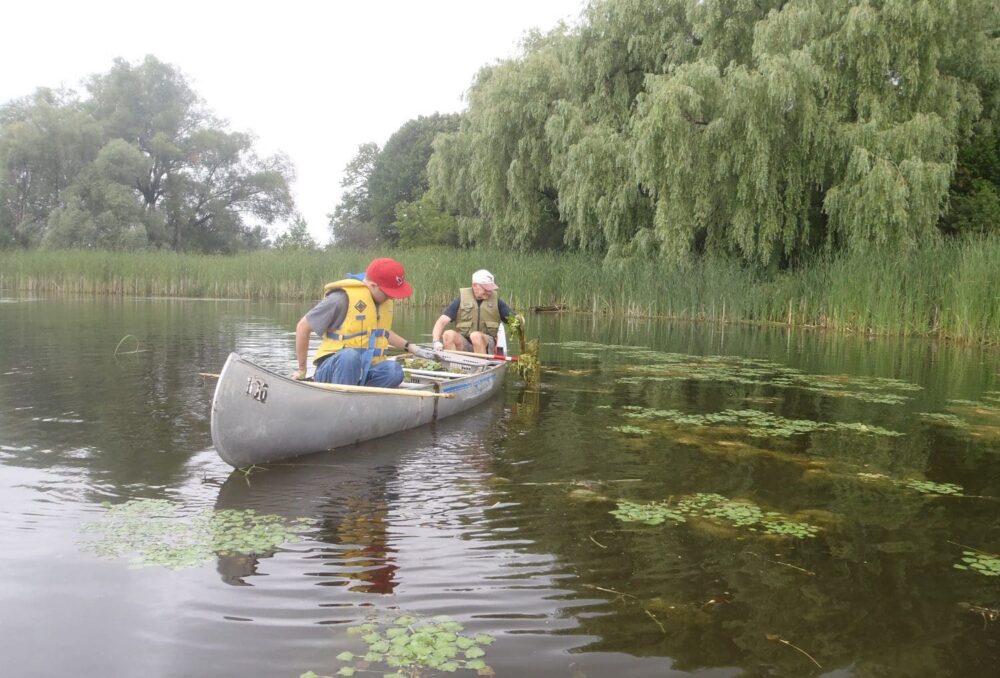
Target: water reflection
x: 353, y: 494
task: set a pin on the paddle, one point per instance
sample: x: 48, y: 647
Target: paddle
x: 348, y: 388
x: 447, y: 356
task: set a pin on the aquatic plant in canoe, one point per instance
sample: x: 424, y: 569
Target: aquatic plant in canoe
x: 717, y: 508
x: 158, y: 532
x: 411, y: 647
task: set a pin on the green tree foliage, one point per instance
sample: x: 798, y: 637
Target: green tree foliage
x: 45, y: 141
x: 351, y: 223
x: 377, y: 180
x: 423, y: 222
x: 399, y: 173
x: 768, y: 129
x: 296, y: 238
x: 99, y: 208
x: 139, y: 163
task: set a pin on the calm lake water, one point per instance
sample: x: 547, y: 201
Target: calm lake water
x: 673, y: 499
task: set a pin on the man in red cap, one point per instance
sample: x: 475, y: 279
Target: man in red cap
x: 478, y: 313
x: 355, y: 321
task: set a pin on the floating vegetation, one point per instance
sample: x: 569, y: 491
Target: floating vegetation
x: 927, y: 487
x: 758, y: 423
x: 943, y: 419
x: 717, y: 508
x: 651, y: 513
x: 983, y: 563
x: 922, y: 486
x: 660, y: 366
x: 410, y: 646
x: 157, y: 532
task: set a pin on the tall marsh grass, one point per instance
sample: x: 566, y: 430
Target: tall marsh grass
x: 949, y: 289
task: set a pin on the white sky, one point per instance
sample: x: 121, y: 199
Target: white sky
x: 313, y: 79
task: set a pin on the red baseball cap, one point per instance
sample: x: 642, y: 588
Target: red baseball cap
x: 390, y: 276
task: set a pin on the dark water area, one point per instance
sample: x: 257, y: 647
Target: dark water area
x: 672, y: 499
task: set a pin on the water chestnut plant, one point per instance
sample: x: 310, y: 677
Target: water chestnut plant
x: 158, y: 532
x: 414, y: 647
x: 715, y: 507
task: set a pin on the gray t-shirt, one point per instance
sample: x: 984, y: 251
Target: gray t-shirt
x: 329, y: 313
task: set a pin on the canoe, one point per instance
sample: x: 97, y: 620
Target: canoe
x: 260, y: 416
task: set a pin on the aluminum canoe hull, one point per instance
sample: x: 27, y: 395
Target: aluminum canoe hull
x: 259, y: 416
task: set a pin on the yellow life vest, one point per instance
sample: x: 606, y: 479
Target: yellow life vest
x: 366, y: 324
x: 476, y: 316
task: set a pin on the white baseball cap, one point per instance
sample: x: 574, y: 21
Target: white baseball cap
x: 485, y: 278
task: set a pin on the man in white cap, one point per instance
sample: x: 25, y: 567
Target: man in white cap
x: 478, y: 313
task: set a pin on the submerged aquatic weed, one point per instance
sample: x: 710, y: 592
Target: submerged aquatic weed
x: 943, y: 419
x: 711, y: 506
x: 631, y: 430
x: 157, y: 532
x: 983, y: 563
x: 410, y: 645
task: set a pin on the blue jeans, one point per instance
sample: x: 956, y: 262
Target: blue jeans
x: 345, y: 366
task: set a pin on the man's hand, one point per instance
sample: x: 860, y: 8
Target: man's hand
x: 299, y: 375
x: 422, y: 352
x: 438, y: 346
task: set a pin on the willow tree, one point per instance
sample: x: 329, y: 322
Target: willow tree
x: 601, y: 200
x: 765, y: 128
x: 502, y: 143
x: 841, y: 127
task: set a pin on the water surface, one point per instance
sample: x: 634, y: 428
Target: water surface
x: 504, y: 518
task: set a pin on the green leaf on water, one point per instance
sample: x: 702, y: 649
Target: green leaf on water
x: 161, y: 532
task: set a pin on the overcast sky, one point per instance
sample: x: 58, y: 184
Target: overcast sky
x: 312, y: 79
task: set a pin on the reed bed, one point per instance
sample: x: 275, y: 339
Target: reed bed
x: 948, y: 289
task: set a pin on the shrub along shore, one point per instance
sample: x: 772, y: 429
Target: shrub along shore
x: 948, y: 290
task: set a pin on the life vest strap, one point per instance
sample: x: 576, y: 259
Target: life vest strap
x: 345, y: 337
